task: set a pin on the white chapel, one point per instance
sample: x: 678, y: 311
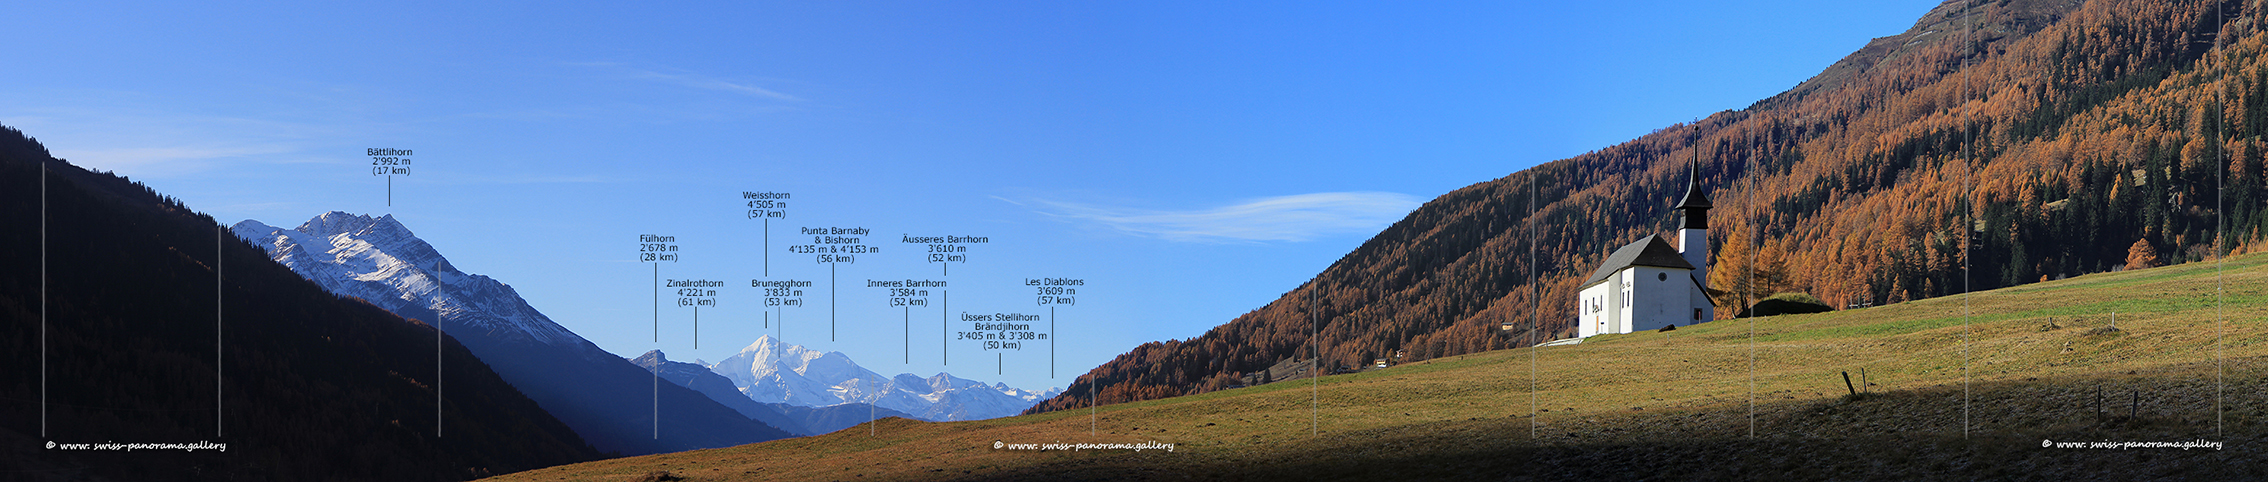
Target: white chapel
x: 1648, y: 285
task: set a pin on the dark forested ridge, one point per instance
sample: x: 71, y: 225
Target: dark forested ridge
x: 312, y: 386
x: 1993, y: 144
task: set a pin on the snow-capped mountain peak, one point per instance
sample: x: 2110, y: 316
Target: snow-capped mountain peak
x: 601, y: 396
x: 379, y: 260
x: 774, y: 372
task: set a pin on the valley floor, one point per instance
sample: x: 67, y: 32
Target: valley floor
x: 2002, y: 393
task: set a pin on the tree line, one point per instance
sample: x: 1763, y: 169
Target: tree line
x: 1990, y: 146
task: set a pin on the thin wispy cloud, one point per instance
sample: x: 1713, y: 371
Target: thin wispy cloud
x: 693, y: 80
x: 1293, y: 218
x: 519, y: 178
x: 260, y: 207
x: 153, y: 157
x: 164, y: 144
x: 701, y: 82
x: 579, y: 179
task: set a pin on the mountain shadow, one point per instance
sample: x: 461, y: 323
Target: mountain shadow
x: 108, y: 307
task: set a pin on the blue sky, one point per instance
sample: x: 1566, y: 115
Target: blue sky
x: 1190, y: 161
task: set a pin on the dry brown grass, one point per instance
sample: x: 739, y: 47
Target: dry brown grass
x: 1672, y: 405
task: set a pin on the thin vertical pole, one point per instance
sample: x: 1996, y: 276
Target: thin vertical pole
x: 657, y: 339
x: 217, y: 317
x: 437, y: 377
x: 945, y: 349
x: 830, y: 301
x: 1091, y: 402
x: 43, y: 298
x: 2220, y: 185
x: 1968, y: 225
x: 657, y: 404
x: 657, y: 302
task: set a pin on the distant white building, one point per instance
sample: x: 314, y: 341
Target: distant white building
x: 1648, y: 284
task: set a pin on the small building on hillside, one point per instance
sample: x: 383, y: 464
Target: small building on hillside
x: 1648, y: 284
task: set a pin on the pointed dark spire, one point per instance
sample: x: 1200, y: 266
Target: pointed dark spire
x: 1695, y: 198
x: 1695, y: 207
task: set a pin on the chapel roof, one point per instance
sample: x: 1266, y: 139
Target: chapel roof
x: 1651, y: 251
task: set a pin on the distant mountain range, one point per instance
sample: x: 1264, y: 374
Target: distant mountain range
x: 773, y: 372
x: 797, y: 419
x: 767, y: 391
x: 606, y: 399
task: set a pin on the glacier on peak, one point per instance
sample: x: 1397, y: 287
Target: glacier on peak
x: 771, y: 371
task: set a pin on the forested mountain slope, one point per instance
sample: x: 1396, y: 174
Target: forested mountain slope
x: 2042, y: 138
